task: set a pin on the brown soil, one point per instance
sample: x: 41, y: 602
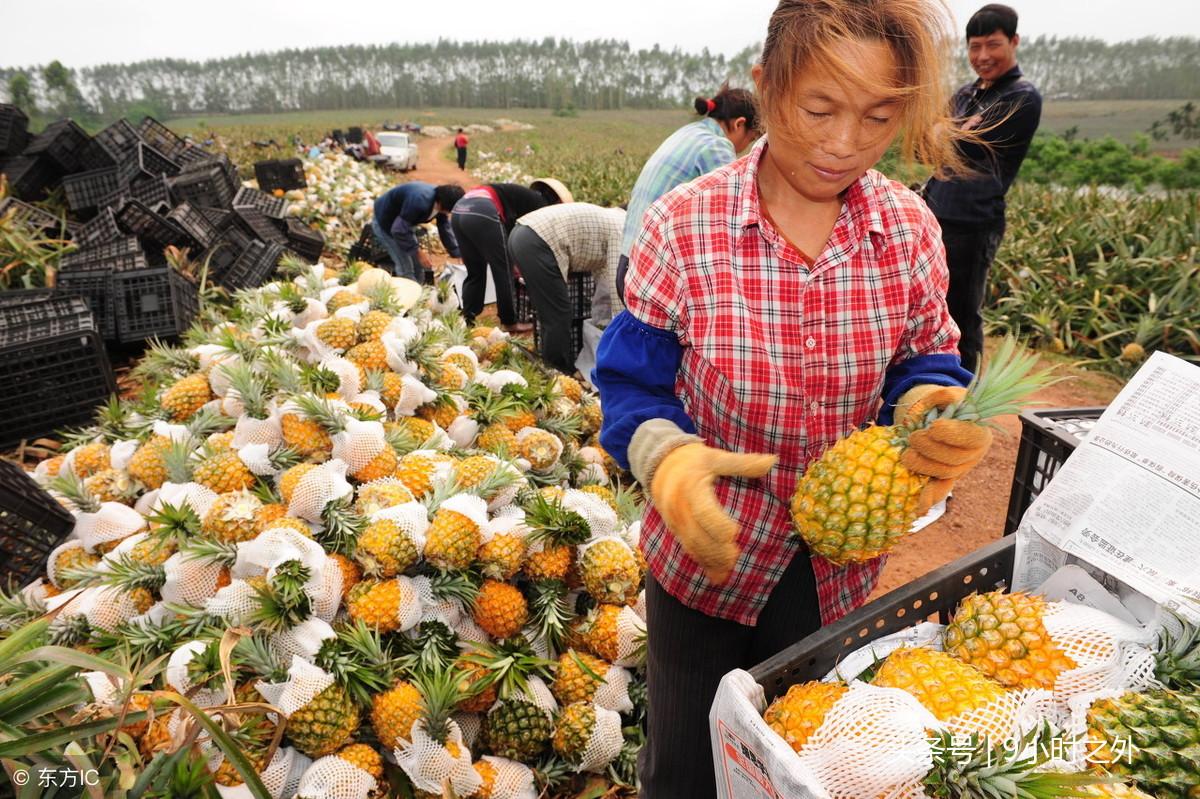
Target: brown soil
x: 975, y: 515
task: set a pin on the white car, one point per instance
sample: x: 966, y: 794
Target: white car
x: 397, y: 150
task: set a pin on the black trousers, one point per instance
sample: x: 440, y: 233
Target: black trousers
x: 688, y: 653
x: 462, y: 157
x: 482, y: 243
x: 970, y: 250
x: 548, y: 293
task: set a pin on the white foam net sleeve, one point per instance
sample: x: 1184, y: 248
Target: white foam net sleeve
x: 409, y: 610
x: 359, y: 443
x: 413, y: 394
x: 146, y: 502
x: 249, y: 430
x: 316, y: 489
x: 195, y: 496
x: 209, y: 355
x: 873, y: 742
x: 410, y: 517
x: 177, y: 675
x: 460, y: 349
x: 513, y: 780
x: 633, y: 534
x: 396, y: 353
x: 120, y: 453
x: 234, y: 603
x: 281, y: 777
x: 631, y: 637
x: 101, y: 686
x: 325, y: 591
x: 106, y: 607
x: 174, y: 432
x: 447, y: 611
x: 526, y: 432
x: 593, y: 473
x: 348, y: 376
x: 468, y: 631
x: 189, y: 582
x: 257, y: 458
x: 305, y: 680
x: 613, y: 693
x: 605, y: 742
x: 51, y: 569
x: 431, y: 767
x: 112, y: 522
x: 462, y: 431
x: 314, y: 310
x: 304, y: 640
x: 276, y: 546
x: 469, y: 505
x: 537, y: 692
x: 470, y: 724
x: 371, y: 398
x: 334, y: 778
x: 601, y: 518
x: 1098, y: 643
x: 506, y: 377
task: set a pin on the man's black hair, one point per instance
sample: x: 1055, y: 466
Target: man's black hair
x: 447, y: 195
x: 991, y: 18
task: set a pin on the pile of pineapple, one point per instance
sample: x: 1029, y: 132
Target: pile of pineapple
x: 1012, y: 701
x: 396, y: 533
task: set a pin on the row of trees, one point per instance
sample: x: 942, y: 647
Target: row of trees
x: 551, y: 73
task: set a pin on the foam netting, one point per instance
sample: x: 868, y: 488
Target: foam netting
x: 631, y: 632
x: 189, y: 582
x: 304, y: 640
x: 324, y: 484
x: 257, y: 458
x: 195, y: 496
x: 462, y: 431
x: 613, y: 693
x: 371, y: 397
x: 358, y: 443
x: 1109, y: 654
x: 600, y: 516
x: 470, y: 724
x: 249, y: 430
x: 409, y: 610
x: 218, y: 376
x: 512, y: 780
x: 177, y: 675
x: 305, y: 680
x: 52, y: 560
x: 431, y: 767
x: 525, y: 432
x: 413, y: 394
x: 469, y: 505
x: 604, y: 743
x: 334, y: 778
x: 500, y: 378
x: 349, y: 379
x: 277, y: 545
x: 112, y: 522
x: 282, y: 777
x: 234, y: 603
x: 372, y: 497
x: 120, y: 453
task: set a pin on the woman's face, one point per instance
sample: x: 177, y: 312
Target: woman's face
x: 843, y: 128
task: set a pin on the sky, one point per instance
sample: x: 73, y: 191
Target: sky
x: 87, y: 32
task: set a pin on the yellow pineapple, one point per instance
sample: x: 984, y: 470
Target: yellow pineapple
x: 267, y: 514
x: 569, y: 387
x: 111, y: 485
x: 385, y: 549
x: 487, y: 777
x: 233, y: 517
x: 373, y: 324
x: 597, y: 632
x: 53, y: 465
x: 796, y: 715
x: 291, y: 478
x: 344, y: 299
x: 1003, y: 636
x: 558, y: 531
x: 521, y: 418
x: 369, y: 355
x: 943, y: 684
x: 338, y: 333
x: 69, y: 558
x: 305, y: 436
x: 470, y: 674
x: 450, y: 377
x: 391, y: 388
x: 419, y: 429
x: 224, y: 472
x: 325, y: 723
x: 442, y: 411
x: 501, y: 557
x: 377, y: 603
x: 394, y: 712
x: 497, y: 438
x: 451, y: 540
x: 351, y: 573
x: 500, y: 609
x: 417, y: 473
x: 610, y: 572
x: 573, y: 682
x: 857, y: 501
x: 219, y: 442
x: 148, y: 465
x: 473, y: 470
x: 186, y: 396
x: 92, y: 458
x: 573, y: 730
x: 380, y: 494
x: 540, y: 447
x: 365, y: 758
x: 381, y: 466
x: 465, y: 362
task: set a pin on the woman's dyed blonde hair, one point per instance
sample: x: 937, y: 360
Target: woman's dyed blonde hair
x: 919, y: 34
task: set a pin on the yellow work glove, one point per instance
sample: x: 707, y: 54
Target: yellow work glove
x: 947, y: 449
x: 682, y: 491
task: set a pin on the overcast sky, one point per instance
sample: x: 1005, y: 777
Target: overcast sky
x: 86, y: 32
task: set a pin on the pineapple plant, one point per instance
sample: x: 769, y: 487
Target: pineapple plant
x: 610, y: 572
x: 385, y: 549
x: 1151, y: 739
x: 1003, y: 636
x: 183, y: 398
x: 393, y: 713
x: 857, y: 501
x: 500, y: 609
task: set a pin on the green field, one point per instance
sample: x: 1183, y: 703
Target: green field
x: 1121, y: 119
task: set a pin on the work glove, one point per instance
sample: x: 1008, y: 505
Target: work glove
x: 946, y: 449
x: 682, y: 491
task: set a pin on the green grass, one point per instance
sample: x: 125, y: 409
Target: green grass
x: 1121, y: 119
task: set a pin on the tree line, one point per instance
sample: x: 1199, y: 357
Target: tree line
x: 551, y: 73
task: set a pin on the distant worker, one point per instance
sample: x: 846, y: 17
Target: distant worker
x: 729, y: 125
x: 1005, y: 109
x: 481, y: 222
x: 371, y: 146
x: 460, y: 144
x: 550, y: 244
x: 403, y: 207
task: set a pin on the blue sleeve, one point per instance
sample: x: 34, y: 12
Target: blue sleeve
x: 938, y: 370
x: 446, y: 234
x: 635, y: 373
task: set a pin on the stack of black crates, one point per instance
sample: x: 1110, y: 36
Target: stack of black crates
x: 134, y: 191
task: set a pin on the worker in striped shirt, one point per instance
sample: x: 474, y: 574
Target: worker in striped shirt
x: 728, y: 125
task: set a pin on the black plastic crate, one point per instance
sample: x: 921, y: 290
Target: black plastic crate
x: 93, y: 284
x: 580, y: 287
x: 14, y: 130
x: 268, y: 205
x: 32, y: 524
x: 147, y: 161
x: 41, y: 317
x: 306, y: 242
x: 194, y: 223
x: 87, y: 191
x: 937, y: 593
x: 253, y: 267
x: 148, y: 303
x: 29, y: 216
x: 192, y: 155
x: 62, y: 142
x: 100, y: 229
x: 152, y: 192
x: 228, y: 246
x: 257, y: 225
x: 1048, y: 437
x: 209, y: 185
x: 368, y: 249
x: 52, y: 383
x: 218, y: 216
x: 13, y: 297
x: 119, y: 140
x: 141, y: 221
x: 29, y: 176
x: 285, y: 174
x: 161, y: 138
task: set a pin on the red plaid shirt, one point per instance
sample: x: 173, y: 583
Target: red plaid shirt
x: 782, y: 355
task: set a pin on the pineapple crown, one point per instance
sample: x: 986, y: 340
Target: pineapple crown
x: 487, y: 406
x: 160, y: 359
x: 440, y: 693
x: 401, y: 439
x: 341, y: 527
x: 358, y: 660
x: 566, y: 426
x: 319, y: 379
x: 282, y: 372
x: 291, y: 266
x: 1178, y: 654
x: 455, y: 329
x: 454, y: 586
x: 282, y: 602
x: 430, y: 647
x: 382, y: 297
x: 72, y: 487
x: 351, y: 273
x: 253, y: 654
x: 550, y: 612
x: 121, y: 572
x: 251, y: 389
x: 322, y: 411
x: 18, y: 608
x: 179, y: 462
x: 549, y: 521
x: 509, y: 664
x: 223, y: 553
x: 175, y: 522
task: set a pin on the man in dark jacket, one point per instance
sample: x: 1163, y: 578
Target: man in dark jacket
x: 400, y: 209
x: 1005, y: 109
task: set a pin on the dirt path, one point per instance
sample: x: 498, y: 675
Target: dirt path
x: 433, y: 167
x: 976, y: 513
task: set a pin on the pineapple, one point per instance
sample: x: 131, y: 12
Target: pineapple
x: 291, y: 478
x: 573, y: 730
x: 91, y: 459
x: 337, y: 333
x: 417, y: 472
x: 604, y: 492
x: 857, y: 501
x: 420, y: 430
x: 487, y: 777
x: 267, y: 514
x: 381, y: 466
x: 111, y: 485
x: 453, y: 538
x: 325, y: 723
x: 500, y: 609
x: 568, y: 387
x: 370, y: 355
x: 377, y: 603
x: 186, y: 396
x: 68, y: 560
x: 1003, y: 636
x: 224, y: 472
x: 1151, y: 739
x: 394, y: 712
x: 351, y: 573
x: 372, y: 325
x: 501, y: 557
x: 540, y: 447
x: 578, y: 676
x: 559, y: 531
x: 796, y: 715
x: 148, y: 464
x: 380, y: 494
x: 518, y: 729
x: 597, y: 633
x: 474, y: 699
x: 305, y: 436
x: 610, y: 572
x: 344, y: 299
x: 442, y: 411
x: 385, y: 550
x: 943, y: 684
x: 473, y: 470
x: 365, y: 758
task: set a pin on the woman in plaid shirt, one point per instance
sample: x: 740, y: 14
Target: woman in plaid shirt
x: 773, y: 306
